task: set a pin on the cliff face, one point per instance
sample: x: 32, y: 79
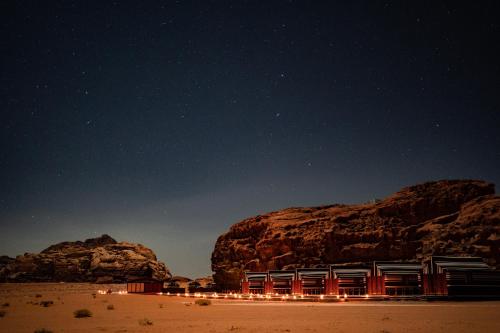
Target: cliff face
x: 101, y: 260
x: 435, y: 218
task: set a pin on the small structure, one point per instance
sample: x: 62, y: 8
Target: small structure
x: 461, y: 276
x: 349, y: 279
x: 397, y: 278
x: 312, y: 281
x: 283, y: 282
x: 256, y: 283
x: 144, y: 286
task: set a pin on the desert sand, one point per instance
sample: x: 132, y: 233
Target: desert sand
x: 178, y: 314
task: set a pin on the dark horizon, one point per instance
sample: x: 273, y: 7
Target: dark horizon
x: 163, y: 123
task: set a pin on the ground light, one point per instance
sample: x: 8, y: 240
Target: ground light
x: 253, y: 297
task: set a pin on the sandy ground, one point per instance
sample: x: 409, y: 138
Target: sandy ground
x: 178, y: 314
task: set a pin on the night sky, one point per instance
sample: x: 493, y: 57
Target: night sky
x: 163, y: 123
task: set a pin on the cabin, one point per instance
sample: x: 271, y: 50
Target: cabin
x: 350, y: 279
x: 461, y: 276
x: 312, y: 281
x: 283, y: 282
x: 397, y: 278
x: 145, y: 286
x: 256, y: 283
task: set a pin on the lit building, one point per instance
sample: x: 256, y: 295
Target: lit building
x: 440, y: 276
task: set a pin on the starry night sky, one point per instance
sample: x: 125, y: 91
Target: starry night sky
x: 164, y: 123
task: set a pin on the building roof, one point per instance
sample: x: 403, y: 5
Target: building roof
x: 256, y: 275
x: 396, y: 267
x: 282, y: 274
x: 312, y: 272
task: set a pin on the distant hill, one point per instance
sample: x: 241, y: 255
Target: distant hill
x: 101, y: 260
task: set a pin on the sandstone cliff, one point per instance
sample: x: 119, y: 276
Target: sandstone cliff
x: 101, y: 260
x: 460, y: 217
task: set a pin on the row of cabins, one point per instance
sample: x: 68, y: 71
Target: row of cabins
x: 443, y: 276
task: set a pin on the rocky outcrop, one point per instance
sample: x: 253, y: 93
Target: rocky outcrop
x: 101, y: 260
x: 205, y: 282
x: 183, y: 279
x: 450, y: 217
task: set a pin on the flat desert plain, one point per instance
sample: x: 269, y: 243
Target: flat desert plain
x: 151, y: 313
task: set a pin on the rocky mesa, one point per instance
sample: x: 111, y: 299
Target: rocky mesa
x: 448, y: 217
x: 101, y: 260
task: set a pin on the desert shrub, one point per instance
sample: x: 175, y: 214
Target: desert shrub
x: 203, y: 302
x: 2, y: 314
x: 145, y: 322
x: 6, y: 304
x: 43, y: 330
x: 110, y: 307
x: 160, y: 305
x: 38, y: 295
x: 46, y: 304
x: 82, y: 313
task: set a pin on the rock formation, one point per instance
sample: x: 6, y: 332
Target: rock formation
x: 101, y: 260
x: 205, y: 282
x: 449, y: 217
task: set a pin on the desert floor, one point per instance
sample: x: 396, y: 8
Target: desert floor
x: 23, y: 313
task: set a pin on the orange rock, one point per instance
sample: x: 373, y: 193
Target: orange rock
x: 443, y: 217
